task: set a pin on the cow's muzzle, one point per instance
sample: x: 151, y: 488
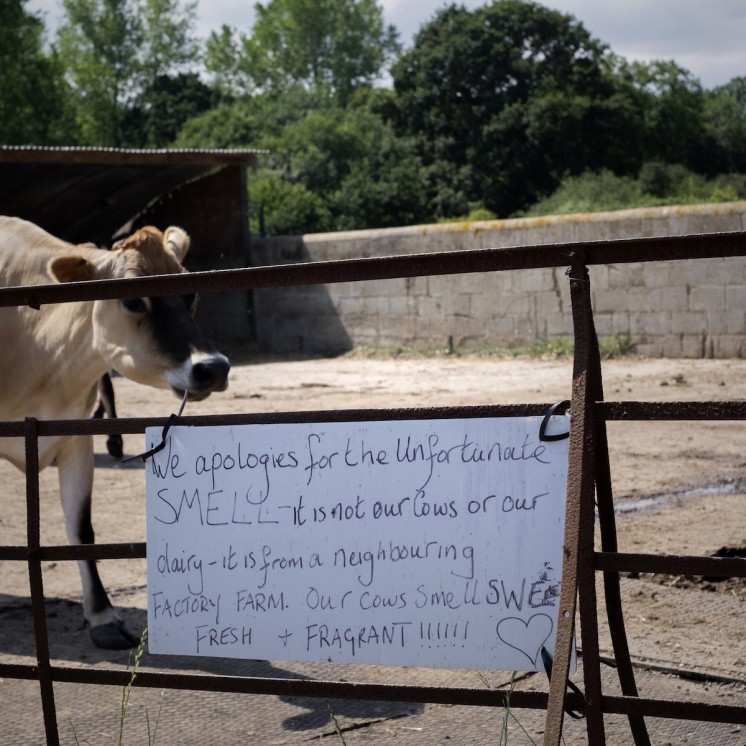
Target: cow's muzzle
x: 200, y: 376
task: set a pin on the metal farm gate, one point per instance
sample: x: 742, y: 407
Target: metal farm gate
x: 589, y: 489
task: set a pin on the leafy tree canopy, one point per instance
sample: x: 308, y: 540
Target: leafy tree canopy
x: 32, y: 89
x: 346, y: 167
x: 114, y: 50
x: 724, y: 118
x: 511, y: 94
x: 336, y: 44
x: 673, y: 125
x: 491, y: 109
x: 156, y: 118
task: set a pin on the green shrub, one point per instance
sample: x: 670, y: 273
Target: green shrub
x: 658, y: 184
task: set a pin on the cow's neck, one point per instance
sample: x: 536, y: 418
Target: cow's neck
x: 60, y: 359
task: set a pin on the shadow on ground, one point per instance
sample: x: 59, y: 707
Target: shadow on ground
x: 69, y: 642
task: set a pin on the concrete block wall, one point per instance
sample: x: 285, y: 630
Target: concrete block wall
x: 693, y: 308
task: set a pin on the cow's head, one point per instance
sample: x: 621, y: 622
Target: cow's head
x: 154, y: 340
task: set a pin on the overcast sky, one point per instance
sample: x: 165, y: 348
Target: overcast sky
x: 707, y: 37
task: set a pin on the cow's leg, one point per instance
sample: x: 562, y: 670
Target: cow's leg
x: 106, y: 406
x: 75, y: 466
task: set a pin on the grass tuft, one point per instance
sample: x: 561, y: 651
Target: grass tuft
x: 125, y: 701
x: 337, y: 728
x: 610, y: 347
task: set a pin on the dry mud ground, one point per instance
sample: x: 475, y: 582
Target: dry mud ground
x: 700, y: 467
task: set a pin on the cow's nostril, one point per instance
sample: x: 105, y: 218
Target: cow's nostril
x: 211, y: 375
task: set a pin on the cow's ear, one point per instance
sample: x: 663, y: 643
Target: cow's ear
x: 177, y: 240
x: 71, y: 268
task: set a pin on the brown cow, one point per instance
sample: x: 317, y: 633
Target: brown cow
x: 53, y: 359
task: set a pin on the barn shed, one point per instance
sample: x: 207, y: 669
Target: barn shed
x: 97, y: 194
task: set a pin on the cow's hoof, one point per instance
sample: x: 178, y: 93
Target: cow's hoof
x: 115, y: 446
x: 113, y: 636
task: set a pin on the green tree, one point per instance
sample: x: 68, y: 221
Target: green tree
x: 230, y: 124
x: 225, y: 64
x: 289, y: 208
x: 725, y: 122
x: 99, y: 43
x: 168, y: 44
x: 336, y: 44
x: 327, y: 167
x: 159, y: 113
x: 384, y: 182
x: 506, y: 99
x: 674, y: 107
x: 114, y: 50
x: 33, y: 93
x: 366, y: 175
x: 250, y: 121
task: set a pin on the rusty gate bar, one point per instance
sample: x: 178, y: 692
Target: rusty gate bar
x: 578, y: 493
x: 380, y: 268
x: 671, y: 709
x: 609, y: 544
x: 584, y: 329
x: 665, y: 708
x: 131, y: 425
x: 33, y: 532
x: 610, y: 411
x: 705, y: 712
x: 682, y: 410
x: 723, y: 567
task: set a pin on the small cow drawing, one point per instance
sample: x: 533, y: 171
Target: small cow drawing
x: 53, y: 359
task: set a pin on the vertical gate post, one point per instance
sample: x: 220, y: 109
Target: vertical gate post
x: 33, y: 531
x: 577, y: 567
x: 612, y: 589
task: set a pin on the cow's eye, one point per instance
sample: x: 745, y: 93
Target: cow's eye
x: 134, y: 305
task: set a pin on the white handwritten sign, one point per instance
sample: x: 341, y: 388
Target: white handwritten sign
x: 422, y: 543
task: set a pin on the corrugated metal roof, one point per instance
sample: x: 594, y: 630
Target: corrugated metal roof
x: 86, y: 194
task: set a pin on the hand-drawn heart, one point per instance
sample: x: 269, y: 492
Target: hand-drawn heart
x: 526, y: 637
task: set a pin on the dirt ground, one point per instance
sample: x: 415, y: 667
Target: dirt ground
x: 693, y: 473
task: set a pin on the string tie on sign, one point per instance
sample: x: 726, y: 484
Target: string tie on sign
x: 546, y: 659
x: 156, y: 449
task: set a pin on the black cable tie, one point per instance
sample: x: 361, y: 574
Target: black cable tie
x: 546, y: 658
x: 564, y: 404
x: 157, y: 449
x: 32, y: 302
